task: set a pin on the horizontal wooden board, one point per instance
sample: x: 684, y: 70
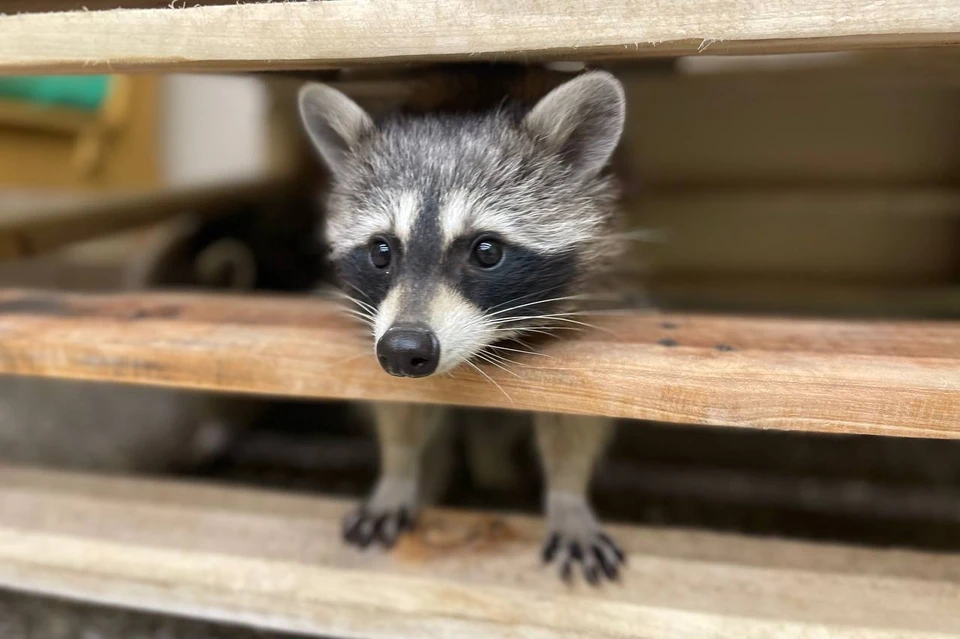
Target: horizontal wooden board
x: 28, y: 229
x: 275, y: 561
x: 855, y: 377
x: 34, y: 6
x: 316, y: 34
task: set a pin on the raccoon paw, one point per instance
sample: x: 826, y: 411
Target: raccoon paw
x: 576, y: 538
x: 390, y: 511
x: 599, y: 556
x: 366, y: 525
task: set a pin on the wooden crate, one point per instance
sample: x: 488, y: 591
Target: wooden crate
x: 273, y: 560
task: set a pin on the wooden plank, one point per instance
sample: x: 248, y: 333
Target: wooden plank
x: 275, y: 561
x: 35, y: 6
x: 855, y: 377
x: 27, y: 230
x: 316, y: 34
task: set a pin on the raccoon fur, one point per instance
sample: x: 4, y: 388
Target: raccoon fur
x: 455, y: 233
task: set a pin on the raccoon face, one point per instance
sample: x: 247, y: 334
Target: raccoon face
x: 455, y: 232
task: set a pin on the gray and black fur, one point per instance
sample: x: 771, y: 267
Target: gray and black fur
x: 454, y: 233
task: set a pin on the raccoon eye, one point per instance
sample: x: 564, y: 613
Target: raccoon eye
x: 487, y: 252
x: 380, y: 253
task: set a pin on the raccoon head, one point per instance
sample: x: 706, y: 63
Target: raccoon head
x: 455, y: 232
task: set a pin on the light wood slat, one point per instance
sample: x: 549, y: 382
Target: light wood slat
x: 315, y: 34
x: 27, y: 231
x: 275, y: 560
x: 854, y: 377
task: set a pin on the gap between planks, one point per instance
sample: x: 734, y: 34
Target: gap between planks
x: 870, y: 377
x: 275, y: 561
x: 323, y: 34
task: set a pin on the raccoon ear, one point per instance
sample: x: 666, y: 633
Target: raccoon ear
x: 333, y: 121
x: 583, y: 118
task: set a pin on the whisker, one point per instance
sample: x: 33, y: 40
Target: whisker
x: 611, y: 311
x: 366, y: 319
x: 346, y: 361
x: 524, y: 318
x: 503, y: 359
x: 546, y: 301
x: 358, y: 311
x: 491, y: 380
x: 523, y: 297
x: 358, y: 290
x: 485, y: 358
x: 367, y: 307
x: 652, y: 236
x: 510, y: 362
x: 531, y: 329
x: 517, y: 350
x: 560, y: 318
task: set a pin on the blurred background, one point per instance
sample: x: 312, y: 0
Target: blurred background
x: 819, y: 184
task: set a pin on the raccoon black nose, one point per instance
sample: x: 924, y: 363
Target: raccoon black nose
x: 409, y: 350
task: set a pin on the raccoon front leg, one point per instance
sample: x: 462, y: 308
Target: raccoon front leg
x: 403, y: 431
x: 569, y: 447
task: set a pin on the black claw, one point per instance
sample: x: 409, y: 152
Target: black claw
x: 550, y: 548
x: 601, y: 559
x: 405, y: 521
x: 362, y: 528
x: 383, y: 531
x: 622, y: 558
x: 591, y: 574
x: 369, y: 528
x: 351, y: 532
x: 361, y: 539
x: 609, y: 568
x: 350, y: 523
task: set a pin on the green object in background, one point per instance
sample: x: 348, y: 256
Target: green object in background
x: 79, y: 92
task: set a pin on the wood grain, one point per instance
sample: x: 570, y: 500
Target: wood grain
x: 317, y: 34
x: 855, y: 377
x: 275, y: 561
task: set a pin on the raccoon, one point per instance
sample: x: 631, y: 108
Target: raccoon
x: 456, y: 233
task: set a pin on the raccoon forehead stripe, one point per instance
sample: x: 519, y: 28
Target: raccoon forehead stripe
x: 464, y: 212
x: 456, y: 210
x: 404, y: 210
x: 354, y: 224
